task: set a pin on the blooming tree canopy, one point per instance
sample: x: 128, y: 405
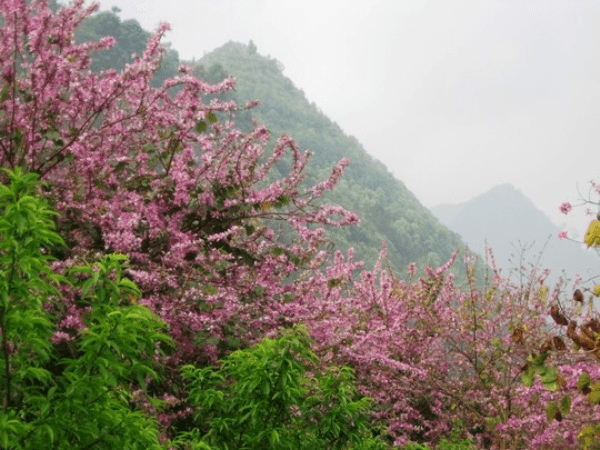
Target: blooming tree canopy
x: 162, y: 176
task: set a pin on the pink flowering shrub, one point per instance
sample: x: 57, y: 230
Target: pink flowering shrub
x: 439, y: 359
x: 582, y: 330
x: 165, y: 179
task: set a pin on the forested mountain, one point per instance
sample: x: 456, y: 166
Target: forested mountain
x: 388, y: 210
x: 517, y: 231
x: 130, y: 40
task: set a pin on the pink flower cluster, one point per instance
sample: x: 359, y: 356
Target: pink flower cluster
x: 565, y: 208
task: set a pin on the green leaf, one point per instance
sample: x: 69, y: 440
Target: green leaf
x: 334, y: 283
x: 5, y: 92
x: 212, y: 117
x: 259, y: 291
x: 201, y: 126
x: 528, y: 377
x: 548, y: 374
x: 587, y: 436
x: 209, y: 289
x: 115, y: 314
x: 38, y: 374
x: 592, y: 236
x: 17, y: 137
x: 50, y: 433
x: 87, y: 285
x: 551, y: 385
x: 594, y: 397
x: 551, y: 411
x: 583, y: 381
x: 540, y: 360
x: 565, y: 404
x: 53, y: 135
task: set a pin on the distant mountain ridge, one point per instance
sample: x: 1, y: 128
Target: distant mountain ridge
x: 509, y: 222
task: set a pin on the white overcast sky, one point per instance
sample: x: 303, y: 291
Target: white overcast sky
x: 454, y: 97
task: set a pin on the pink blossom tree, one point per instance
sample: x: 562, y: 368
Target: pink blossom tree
x: 162, y: 176
x: 440, y: 359
x: 221, y: 249
x: 575, y: 317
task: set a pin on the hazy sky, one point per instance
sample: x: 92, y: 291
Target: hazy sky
x: 454, y: 97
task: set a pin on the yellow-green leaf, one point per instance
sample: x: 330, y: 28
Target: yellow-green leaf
x: 592, y: 236
x: 528, y: 379
x: 583, y: 381
x: 594, y: 397
x: 551, y: 411
x: 587, y: 436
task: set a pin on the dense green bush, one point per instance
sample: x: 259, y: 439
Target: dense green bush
x: 276, y: 396
x: 74, y: 394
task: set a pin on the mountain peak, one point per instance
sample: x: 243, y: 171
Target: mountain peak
x: 503, y: 192
x: 504, y: 189
x: 510, y: 223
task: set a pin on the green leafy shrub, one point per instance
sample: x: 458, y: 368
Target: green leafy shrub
x: 81, y: 400
x: 273, y: 396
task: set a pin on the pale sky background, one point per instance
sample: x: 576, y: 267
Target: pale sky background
x: 454, y: 97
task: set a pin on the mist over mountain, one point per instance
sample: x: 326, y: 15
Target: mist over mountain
x: 389, y: 212
x: 518, y: 233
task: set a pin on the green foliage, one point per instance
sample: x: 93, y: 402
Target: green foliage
x: 130, y: 40
x: 84, y: 399
x: 551, y: 411
x: 549, y: 375
x: 460, y: 444
x: 26, y: 227
x: 444, y: 444
x: 555, y: 411
x: 274, y: 396
x: 594, y: 395
x: 584, y: 381
x: 586, y: 387
x: 588, y: 437
x: 415, y: 446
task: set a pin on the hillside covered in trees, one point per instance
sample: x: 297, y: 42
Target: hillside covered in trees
x: 388, y: 211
